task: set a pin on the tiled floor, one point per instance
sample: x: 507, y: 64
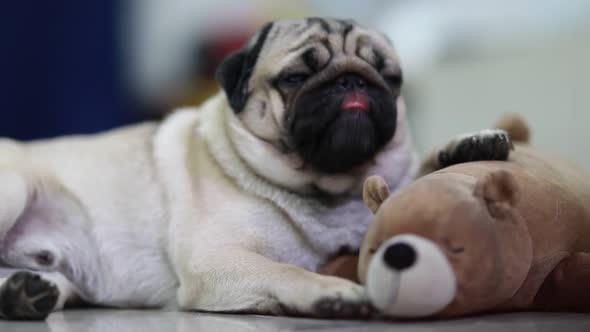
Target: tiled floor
x: 154, y: 321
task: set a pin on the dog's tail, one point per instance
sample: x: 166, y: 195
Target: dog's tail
x: 516, y: 127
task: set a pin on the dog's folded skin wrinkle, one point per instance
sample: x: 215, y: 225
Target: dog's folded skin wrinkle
x: 322, y: 23
x: 260, y: 177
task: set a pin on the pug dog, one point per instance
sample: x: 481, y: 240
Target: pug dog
x: 227, y: 207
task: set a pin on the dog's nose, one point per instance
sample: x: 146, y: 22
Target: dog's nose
x: 399, y: 256
x: 351, y: 82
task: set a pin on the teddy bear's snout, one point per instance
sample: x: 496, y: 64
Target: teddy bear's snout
x: 399, y: 256
x: 410, y: 276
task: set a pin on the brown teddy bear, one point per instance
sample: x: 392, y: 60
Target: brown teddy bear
x: 484, y: 236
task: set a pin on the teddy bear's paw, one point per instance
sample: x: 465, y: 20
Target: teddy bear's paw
x: 488, y: 144
x: 26, y: 296
x: 338, y: 308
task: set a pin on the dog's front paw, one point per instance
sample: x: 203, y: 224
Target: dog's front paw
x: 351, y: 302
x: 488, y: 144
x: 342, y: 309
x: 26, y: 296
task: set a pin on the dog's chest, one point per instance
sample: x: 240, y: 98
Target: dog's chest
x: 319, y: 233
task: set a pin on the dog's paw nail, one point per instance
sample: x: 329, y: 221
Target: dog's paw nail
x: 484, y: 145
x: 338, y: 308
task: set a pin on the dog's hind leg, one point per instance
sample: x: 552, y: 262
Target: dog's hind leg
x: 487, y: 144
x: 14, y: 198
x: 26, y: 295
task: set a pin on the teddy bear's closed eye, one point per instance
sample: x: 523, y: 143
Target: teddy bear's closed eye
x: 453, y: 248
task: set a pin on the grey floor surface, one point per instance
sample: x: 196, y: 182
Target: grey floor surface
x: 156, y: 321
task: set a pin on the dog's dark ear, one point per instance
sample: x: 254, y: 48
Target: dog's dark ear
x: 236, y: 69
x: 230, y: 77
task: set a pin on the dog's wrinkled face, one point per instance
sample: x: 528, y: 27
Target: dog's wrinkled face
x: 324, y: 89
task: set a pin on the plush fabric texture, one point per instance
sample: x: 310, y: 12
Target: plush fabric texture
x: 516, y: 233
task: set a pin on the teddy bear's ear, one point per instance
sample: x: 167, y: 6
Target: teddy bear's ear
x: 375, y: 192
x: 499, y: 190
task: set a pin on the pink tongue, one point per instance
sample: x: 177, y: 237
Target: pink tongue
x: 356, y: 101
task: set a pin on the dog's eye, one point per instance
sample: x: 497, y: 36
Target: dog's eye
x: 394, y: 80
x: 294, y: 79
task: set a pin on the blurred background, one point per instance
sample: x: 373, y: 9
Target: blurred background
x: 72, y: 67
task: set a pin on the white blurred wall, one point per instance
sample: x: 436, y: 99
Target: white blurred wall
x: 467, y: 62
x: 548, y: 84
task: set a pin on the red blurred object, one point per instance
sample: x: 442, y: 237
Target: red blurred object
x: 215, y: 48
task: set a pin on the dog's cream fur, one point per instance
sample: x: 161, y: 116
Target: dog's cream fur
x: 183, y: 214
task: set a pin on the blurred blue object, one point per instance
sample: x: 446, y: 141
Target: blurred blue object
x: 60, y: 68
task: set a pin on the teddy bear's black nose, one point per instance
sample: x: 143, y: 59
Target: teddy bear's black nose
x: 399, y: 256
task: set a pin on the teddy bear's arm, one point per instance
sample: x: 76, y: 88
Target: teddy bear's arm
x: 568, y: 286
